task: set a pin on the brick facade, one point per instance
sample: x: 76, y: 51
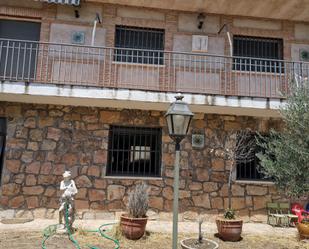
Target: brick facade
x: 45, y: 140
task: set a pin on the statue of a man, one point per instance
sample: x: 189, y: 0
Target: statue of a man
x: 68, y: 190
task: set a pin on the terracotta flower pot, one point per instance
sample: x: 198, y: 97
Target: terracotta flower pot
x: 229, y: 230
x: 133, y: 228
x: 303, y: 229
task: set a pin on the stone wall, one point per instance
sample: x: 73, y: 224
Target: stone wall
x: 45, y: 140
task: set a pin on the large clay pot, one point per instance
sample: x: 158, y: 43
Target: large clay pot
x: 303, y: 229
x: 207, y: 244
x: 229, y: 230
x: 133, y: 228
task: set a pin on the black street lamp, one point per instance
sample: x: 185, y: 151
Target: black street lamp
x: 178, y: 118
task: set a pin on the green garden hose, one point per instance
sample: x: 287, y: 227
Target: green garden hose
x: 68, y: 228
x: 52, y: 229
x: 99, y: 230
x: 48, y: 232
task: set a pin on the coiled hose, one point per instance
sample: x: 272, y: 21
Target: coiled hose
x: 52, y: 229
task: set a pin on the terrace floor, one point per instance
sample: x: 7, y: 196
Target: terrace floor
x: 255, y: 236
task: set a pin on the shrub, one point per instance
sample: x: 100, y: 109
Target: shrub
x: 229, y: 214
x: 285, y: 156
x: 138, y: 201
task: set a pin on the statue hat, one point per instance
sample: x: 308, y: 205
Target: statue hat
x: 67, y: 173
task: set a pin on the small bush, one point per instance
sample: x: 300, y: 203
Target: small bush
x: 229, y: 214
x: 138, y: 201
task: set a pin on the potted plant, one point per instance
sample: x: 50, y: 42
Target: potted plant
x: 229, y: 227
x: 133, y: 223
x: 239, y: 146
x: 303, y: 229
x: 200, y: 242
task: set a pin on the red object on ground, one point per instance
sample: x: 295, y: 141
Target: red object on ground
x: 298, y: 210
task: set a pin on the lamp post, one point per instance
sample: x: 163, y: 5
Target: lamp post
x: 178, y: 118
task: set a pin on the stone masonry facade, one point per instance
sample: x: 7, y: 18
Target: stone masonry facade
x: 44, y: 140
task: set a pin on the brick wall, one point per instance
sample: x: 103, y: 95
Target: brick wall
x: 172, y: 21
x: 45, y: 140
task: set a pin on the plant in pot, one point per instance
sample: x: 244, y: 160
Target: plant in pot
x: 229, y: 227
x: 303, y: 228
x: 133, y: 223
x: 200, y: 242
x: 239, y: 146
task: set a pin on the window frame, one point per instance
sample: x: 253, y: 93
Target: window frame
x: 135, y: 132
x: 141, y: 51
x: 267, y: 62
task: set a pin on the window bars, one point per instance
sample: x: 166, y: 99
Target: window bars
x: 247, y: 168
x: 134, y: 151
x: 265, y: 53
x: 150, y: 42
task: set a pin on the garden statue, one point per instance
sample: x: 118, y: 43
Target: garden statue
x: 67, y: 207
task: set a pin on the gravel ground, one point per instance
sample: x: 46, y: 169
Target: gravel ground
x: 255, y: 236
x: 152, y: 240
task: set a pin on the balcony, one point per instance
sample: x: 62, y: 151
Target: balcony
x: 148, y: 70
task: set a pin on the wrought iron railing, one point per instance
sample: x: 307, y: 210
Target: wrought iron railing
x: 27, y: 61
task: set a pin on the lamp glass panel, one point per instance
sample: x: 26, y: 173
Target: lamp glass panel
x: 186, y: 124
x: 169, y: 124
x: 179, y: 122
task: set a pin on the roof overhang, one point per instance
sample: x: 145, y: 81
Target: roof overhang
x: 296, y: 10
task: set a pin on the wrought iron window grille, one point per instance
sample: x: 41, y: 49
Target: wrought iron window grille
x: 134, y: 152
x: 145, y: 45
x: 260, y: 54
x: 248, y: 168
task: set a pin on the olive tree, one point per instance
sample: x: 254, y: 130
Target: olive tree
x: 285, y: 154
x: 238, y: 146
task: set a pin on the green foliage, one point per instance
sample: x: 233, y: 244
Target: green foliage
x: 285, y: 156
x: 229, y: 214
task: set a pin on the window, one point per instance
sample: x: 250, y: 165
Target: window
x: 247, y: 168
x: 2, y: 143
x: 145, y: 45
x: 18, y: 49
x: 262, y: 54
x: 134, y: 151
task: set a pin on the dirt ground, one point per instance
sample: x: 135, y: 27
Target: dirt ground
x: 32, y: 240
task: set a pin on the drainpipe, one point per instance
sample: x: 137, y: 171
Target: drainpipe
x: 228, y: 36
x: 230, y: 43
x: 96, y: 20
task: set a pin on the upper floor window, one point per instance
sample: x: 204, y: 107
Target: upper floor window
x: 262, y: 54
x: 134, y: 151
x: 248, y: 168
x: 144, y: 45
x: 2, y: 143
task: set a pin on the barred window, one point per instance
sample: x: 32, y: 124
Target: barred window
x: 263, y: 51
x: 145, y: 45
x: 134, y: 151
x: 2, y: 143
x: 248, y: 168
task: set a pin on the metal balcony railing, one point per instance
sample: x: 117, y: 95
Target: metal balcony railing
x: 27, y: 61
